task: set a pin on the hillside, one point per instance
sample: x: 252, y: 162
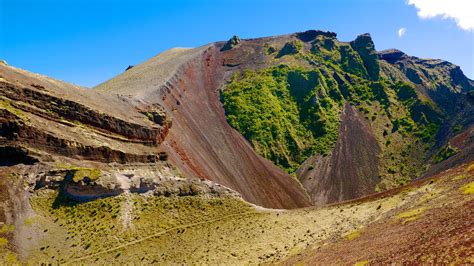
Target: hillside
x: 289, y: 149
x: 289, y: 97
x: 427, y: 221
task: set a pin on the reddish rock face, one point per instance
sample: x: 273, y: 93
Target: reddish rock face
x: 203, y: 145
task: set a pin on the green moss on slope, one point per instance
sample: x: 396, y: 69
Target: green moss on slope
x: 290, y: 110
x: 287, y: 113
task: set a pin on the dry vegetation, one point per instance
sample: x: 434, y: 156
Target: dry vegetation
x: 215, y: 230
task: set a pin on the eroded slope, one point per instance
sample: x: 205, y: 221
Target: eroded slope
x: 287, y: 95
x: 200, y: 142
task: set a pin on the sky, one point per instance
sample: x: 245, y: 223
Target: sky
x: 87, y: 42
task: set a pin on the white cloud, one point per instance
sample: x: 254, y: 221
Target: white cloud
x: 459, y: 10
x: 402, y: 32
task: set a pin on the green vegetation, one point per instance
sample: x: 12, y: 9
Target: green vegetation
x: 81, y: 173
x: 287, y: 113
x: 411, y: 215
x: 292, y: 47
x: 423, y: 119
x: 446, y: 152
x: 457, y: 128
x: 361, y: 263
x: 3, y: 241
x: 353, y: 235
x: 6, y: 105
x: 468, y: 188
x: 98, y: 225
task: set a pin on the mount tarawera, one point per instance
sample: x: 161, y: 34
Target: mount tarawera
x: 297, y: 148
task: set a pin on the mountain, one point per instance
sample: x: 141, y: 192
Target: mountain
x: 342, y: 118
x: 178, y: 157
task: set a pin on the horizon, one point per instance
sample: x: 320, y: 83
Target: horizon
x: 77, y: 43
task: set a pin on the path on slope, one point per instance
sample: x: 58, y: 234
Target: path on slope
x: 239, y: 215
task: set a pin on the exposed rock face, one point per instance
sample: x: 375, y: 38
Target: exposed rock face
x: 289, y: 48
x: 351, y: 170
x: 157, y: 114
x: 113, y: 183
x: 364, y: 45
x: 310, y: 35
x: 12, y: 155
x: 36, y: 101
x: 392, y: 55
x: 39, y: 113
x: 439, y: 80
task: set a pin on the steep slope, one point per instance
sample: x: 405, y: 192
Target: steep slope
x: 352, y: 164
x: 200, y: 142
x: 289, y: 93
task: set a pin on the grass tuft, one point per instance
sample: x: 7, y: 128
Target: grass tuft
x: 468, y: 188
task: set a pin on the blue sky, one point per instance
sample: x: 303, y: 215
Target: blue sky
x: 87, y: 42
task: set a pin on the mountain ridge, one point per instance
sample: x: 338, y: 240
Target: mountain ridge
x: 293, y: 148
x: 162, y: 83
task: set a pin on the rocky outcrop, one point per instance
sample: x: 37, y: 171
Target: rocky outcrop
x: 14, y: 131
x: 14, y: 154
x: 43, y: 104
x: 392, y: 55
x: 231, y: 43
x: 437, y: 79
x: 310, y: 35
x: 112, y: 183
x: 157, y: 114
x: 364, y: 45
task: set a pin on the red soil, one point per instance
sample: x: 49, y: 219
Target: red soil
x: 203, y: 145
